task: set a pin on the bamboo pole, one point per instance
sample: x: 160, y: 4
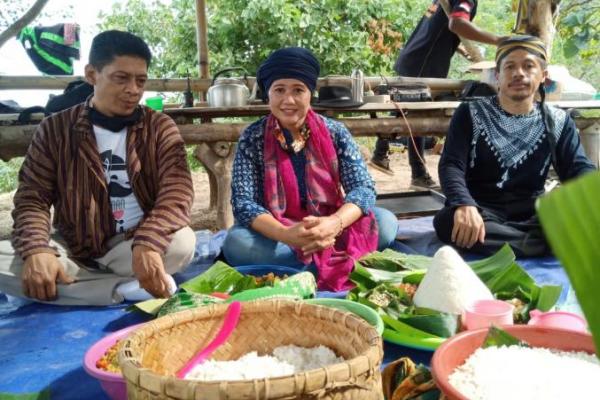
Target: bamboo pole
x: 16, y: 138
x: 202, y: 40
x: 23, y: 82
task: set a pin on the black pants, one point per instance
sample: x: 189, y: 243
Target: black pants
x: 382, y: 147
x: 525, y: 237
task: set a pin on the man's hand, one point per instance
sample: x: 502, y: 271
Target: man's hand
x: 149, y: 270
x: 468, y: 227
x: 41, y: 271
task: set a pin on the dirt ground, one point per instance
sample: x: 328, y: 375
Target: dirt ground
x: 204, y: 218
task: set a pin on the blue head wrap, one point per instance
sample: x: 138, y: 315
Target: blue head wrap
x: 289, y: 63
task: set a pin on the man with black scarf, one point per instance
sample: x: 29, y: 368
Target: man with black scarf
x: 117, y: 176
x: 497, y: 155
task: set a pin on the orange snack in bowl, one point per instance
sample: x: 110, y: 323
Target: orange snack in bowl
x: 109, y: 361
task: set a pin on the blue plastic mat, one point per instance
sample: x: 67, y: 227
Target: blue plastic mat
x: 42, y: 346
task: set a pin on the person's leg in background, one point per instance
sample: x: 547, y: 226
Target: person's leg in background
x: 380, y: 159
x: 525, y: 238
x: 416, y: 159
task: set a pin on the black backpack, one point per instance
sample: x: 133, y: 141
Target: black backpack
x: 75, y: 93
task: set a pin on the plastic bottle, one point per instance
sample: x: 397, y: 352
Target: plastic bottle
x: 202, y: 244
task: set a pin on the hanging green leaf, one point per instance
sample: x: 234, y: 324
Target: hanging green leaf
x: 570, y: 217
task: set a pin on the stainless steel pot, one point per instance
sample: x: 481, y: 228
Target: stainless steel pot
x: 228, y: 92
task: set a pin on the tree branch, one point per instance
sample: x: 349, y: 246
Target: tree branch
x: 22, y: 22
x: 575, y: 4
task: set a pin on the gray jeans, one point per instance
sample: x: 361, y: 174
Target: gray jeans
x: 94, y: 286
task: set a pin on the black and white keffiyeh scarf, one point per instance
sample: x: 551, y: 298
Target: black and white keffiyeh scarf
x: 512, y: 138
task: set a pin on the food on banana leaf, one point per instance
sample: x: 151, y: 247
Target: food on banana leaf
x: 269, y: 279
x: 450, y: 285
x: 392, y: 293
x: 222, y: 283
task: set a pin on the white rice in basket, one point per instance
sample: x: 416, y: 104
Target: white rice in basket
x: 516, y: 372
x: 286, y: 360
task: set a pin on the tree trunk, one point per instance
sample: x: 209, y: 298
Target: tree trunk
x: 540, y: 21
x: 202, y: 39
x: 218, y: 158
x: 14, y: 29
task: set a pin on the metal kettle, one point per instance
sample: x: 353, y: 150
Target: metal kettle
x: 228, y: 92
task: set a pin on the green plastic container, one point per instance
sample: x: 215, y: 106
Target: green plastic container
x: 155, y: 103
x: 366, y: 313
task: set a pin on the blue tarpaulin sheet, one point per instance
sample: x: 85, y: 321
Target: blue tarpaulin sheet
x: 42, y: 346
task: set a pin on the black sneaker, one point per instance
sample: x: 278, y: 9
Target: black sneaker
x: 424, y: 182
x: 381, y: 164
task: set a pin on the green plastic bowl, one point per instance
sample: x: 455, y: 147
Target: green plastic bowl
x: 366, y: 313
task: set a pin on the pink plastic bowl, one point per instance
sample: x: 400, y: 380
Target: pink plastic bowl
x: 558, y: 319
x: 454, y: 351
x: 113, y: 384
x: 483, y: 313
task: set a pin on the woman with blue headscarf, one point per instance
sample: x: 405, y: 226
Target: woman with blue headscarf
x: 301, y: 193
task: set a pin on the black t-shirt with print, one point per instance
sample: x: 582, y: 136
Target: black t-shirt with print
x: 430, y: 48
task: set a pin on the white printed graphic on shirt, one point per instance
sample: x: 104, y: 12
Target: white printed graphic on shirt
x: 112, y: 148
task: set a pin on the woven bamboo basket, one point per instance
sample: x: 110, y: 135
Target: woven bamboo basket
x: 152, y: 355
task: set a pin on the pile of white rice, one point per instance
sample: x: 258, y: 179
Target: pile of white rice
x: 286, y: 360
x: 450, y: 285
x: 517, y: 372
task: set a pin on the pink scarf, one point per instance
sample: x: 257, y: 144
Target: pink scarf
x: 324, y: 197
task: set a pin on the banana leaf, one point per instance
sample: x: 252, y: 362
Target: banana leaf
x: 220, y: 277
x: 486, y: 268
x: 431, y: 321
x: 151, y: 306
x: 499, y: 337
x: 570, y: 217
x: 375, y: 287
x: 184, y: 300
x: 362, y: 278
x: 247, y: 282
x: 391, y: 260
x: 396, y: 304
x: 399, y: 332
x: 296, y: 287
x: 368, y: 278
